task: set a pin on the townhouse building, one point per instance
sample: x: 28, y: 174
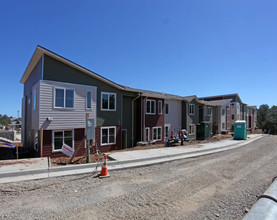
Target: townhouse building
x: 60, y: 95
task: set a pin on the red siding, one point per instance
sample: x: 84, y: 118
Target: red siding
x: 106, y: 148
x: 47, y: 143
x: 149, y: 120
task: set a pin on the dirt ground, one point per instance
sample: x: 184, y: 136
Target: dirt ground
x: 224, y: 185
x: 94, y: 158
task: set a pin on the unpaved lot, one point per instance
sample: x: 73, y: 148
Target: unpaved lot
x: 218, y: 186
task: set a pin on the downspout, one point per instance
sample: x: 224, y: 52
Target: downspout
x: 133, y: 118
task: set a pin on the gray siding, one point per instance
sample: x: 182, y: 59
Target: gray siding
x: 64, y: 118
x: 174, y: 117
x: 28, y: 131
x: 127, y: 118
x: 55, y: 70
x: 192, y: 119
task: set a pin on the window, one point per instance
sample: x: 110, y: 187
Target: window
x: 88, y: 100
x: 108, y: 135
x: 191, y: 129
x: 209, y: 111
x: 62, y: 137
x: 157, y: 133
x: 166, y: 108
x: 223, y: 111
x: 150, y: 106
x: 166, y: 128
x: 108, y: 101
x: 233, y: 117
x: 228, y: 125
x: 64, y: 98
x: 228, y: 111
x: 34, y: 99
x: 146, y: 134
x: 160, y: 110
x: 223, y: 125
x: 191, y: 109
x: 232, y: 105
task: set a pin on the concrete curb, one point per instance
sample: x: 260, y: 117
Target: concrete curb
x: 112, y: 165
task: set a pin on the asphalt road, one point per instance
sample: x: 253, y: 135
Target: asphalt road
x: 218, y: 186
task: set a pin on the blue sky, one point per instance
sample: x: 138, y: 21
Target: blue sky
x: 199, y: 47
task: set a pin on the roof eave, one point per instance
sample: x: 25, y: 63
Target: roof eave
x: 40, y: 51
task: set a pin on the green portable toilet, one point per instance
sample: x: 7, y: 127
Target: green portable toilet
x: 203, y: 130
x: 240, y: 130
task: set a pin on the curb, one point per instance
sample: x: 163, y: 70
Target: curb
x: 113, y: 165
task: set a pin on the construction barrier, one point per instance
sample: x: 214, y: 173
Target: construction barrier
x: 104, y: 171
x: 266, y: 206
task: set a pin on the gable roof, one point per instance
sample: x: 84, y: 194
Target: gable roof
x: 40, y: 51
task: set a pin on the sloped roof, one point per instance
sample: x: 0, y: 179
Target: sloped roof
x: 40, y: 51
x: 222, y: 96
x: 153, y: 94
x: 219, y: 102
x: 190, y: 98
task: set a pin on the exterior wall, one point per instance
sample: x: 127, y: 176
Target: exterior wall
x: 174, y: 117
x: 215, y: 123
x: 251, y: 118
x: 224, y: 118
x: 149, y: 120
x: 192, y: 119
x: 79, y: 134
x: 127, y: 119
x: 64, y: 118
x: 55, y: 70
x: 27, y: 130
x: 106, y: 148
x: 234, y: 110
x: 184, y: 114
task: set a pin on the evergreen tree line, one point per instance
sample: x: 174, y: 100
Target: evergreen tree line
x: 5, y: 120
x: 267, y: 119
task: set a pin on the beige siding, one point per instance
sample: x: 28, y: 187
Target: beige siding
x: 65, y: 118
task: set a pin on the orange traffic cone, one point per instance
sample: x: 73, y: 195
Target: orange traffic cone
x: 104, y: 171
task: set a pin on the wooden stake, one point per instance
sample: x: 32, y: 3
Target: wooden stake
x: 16, y: 151
x: 41, y: 142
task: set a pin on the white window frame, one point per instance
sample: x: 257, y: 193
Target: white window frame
x: 53, y: 139
x: 151, y: 112
x: 160, y: 107
x: 89, y: 108
x: 147, y: 131
x: 108, y: 93
x: 154, y: 138
x: 102, y: 128
x: 64, y: 98
x: 223, y: 125
x: 191, y: 125
x: 191, y: 109
x: 223, y: 111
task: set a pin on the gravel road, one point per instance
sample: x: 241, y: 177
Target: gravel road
x: 218, y: 186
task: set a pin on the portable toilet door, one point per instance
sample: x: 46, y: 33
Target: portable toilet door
x: 240, y: 130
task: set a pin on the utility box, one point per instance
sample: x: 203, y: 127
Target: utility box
x: 240, y: 130
x: 90, y: 128
x: 203, y: 130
